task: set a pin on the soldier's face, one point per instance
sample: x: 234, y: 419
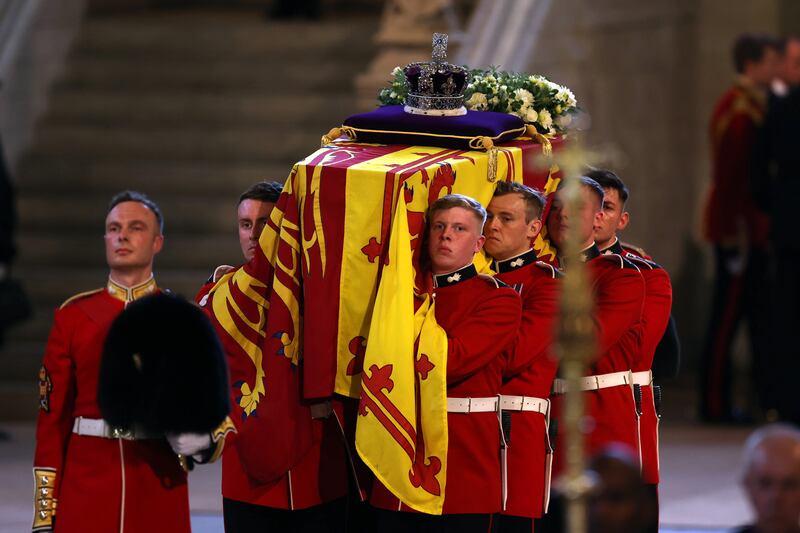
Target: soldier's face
x: 132, y: 237
x: 454, y: 239
x: 613, y: 218
x: 584, y: 217
x: 506, y: 231
x: 253, y: 216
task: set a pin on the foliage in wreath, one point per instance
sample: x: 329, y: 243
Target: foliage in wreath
x: 535, y: 99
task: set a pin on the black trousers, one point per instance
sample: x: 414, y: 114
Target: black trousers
x: 243, y: 517
x: 742, y: 290
x: 400, y: 522
x: 514, y: 524
x: 784, y: 363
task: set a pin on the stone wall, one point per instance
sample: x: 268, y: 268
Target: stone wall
x: 649, y: 73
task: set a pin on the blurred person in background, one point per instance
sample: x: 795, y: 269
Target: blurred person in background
x: 771, y: 479
x: 736, y: 228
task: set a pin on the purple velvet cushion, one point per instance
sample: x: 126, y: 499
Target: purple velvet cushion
x: 391, y: 125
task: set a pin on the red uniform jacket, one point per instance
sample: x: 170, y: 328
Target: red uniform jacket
x: 321, y: 475
x: 619, y: 291
x: 481, y: 321
x: 100, y: 484
x: 732, y: 129
x: 655, y: 317
x: 531, y: 368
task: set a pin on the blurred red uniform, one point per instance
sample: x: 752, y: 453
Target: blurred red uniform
x: 619, y: 292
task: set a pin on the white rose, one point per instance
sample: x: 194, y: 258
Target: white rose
x: 531, y: 115
x: 545, y: 119
x: 477, y: 102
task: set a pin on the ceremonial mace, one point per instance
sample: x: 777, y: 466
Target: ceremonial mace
x: 574, y: 340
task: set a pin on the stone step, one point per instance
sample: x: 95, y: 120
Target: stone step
x: 199, y: 251
x: 178, y: 143
x: 55, y: 174
x: 83, y: 210
x: 273, y: 75
x: 162, y: 107
x: 162, y: 36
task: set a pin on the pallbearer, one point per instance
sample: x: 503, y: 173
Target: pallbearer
x: 481, y: 317
x: 513, y: 221
x: 619, y: 298
x: 655, y: 316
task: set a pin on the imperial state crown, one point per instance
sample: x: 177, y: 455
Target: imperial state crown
x: 436, y: 87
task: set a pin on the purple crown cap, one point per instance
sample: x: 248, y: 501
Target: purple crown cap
x: 436, y: 87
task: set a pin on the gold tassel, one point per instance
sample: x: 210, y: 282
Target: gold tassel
x: 547, y: 147
x: 329, y: 138
x: 491, y: 165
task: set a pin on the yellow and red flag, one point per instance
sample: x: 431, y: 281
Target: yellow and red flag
x: 402, y: 425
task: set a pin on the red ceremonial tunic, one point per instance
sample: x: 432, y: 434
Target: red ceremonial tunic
x: 655, y: 317
x: 321, y: 476
x: 481, y: 320
x: 618, y: 290
x: 530, y: 370
x: 732, y: 130
x: 101, y: 484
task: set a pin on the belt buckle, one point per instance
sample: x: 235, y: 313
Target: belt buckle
x: 597, y: 382
x: 119, y: 433
x: 469, y: 405
x: 522, y: 403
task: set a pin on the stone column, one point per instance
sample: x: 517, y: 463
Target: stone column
x: 404, y: 36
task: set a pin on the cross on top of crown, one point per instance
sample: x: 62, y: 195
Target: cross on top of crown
x: 439, y: 47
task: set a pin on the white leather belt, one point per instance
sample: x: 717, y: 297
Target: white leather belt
x: 643, y: 378
x: 472, y: 405
x: 524, y: 403
x: 600, y: 381
x: 97, y: 427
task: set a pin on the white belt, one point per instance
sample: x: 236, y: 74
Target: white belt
x: 472, y: 405
x: 601, y: 381
x: 97, y: 427
x: 643, y: 378
x: 524, y: 403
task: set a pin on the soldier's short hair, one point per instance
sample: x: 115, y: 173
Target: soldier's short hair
x: 136, y: 196
x: 458, y: 200
x: 263, y: 191
x: 591, y: 185
x: 749, y: 48
x: 609, y: 180
x: 534, y: 200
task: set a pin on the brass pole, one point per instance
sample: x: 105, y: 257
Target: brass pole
x: 575, y: 343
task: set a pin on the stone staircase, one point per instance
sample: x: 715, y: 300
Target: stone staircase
x: 188, y: 106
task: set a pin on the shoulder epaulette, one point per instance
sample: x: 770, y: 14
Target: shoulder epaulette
x: 550, y: 269
x: 79, y: 296
x: 619, y: 260
x: 638, y: 250
x: 492, y: 280
x: 638, y: 260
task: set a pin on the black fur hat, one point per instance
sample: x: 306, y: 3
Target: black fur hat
x: 163, y: 368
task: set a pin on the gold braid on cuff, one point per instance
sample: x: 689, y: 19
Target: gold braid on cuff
x: 44, y: 507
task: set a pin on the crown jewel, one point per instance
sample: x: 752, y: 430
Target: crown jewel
x: 437, y: 87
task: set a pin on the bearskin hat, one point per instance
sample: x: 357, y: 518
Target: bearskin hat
x: 163, y: 368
